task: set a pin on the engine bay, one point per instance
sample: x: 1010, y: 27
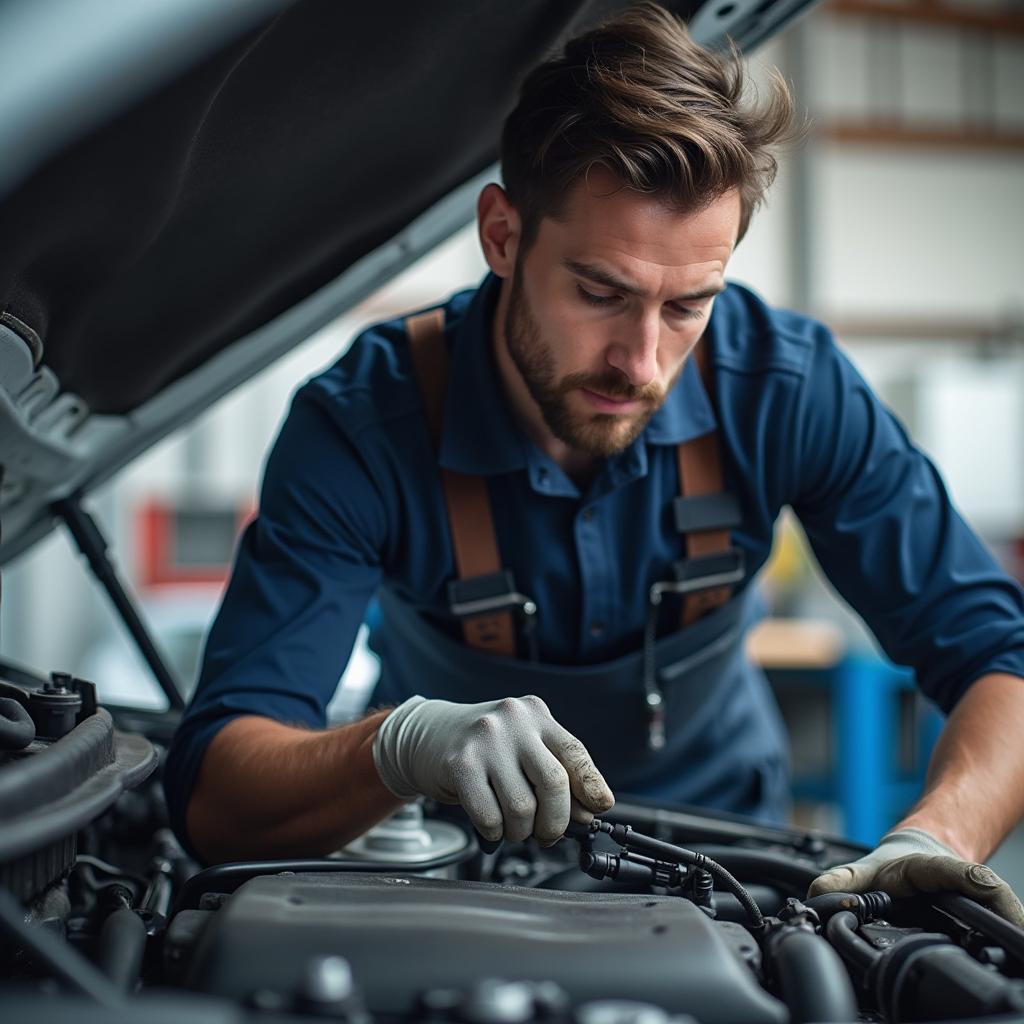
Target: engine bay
x: 652, y: 915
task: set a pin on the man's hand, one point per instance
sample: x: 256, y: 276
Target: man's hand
x: 511, y: 766
x: 910, y: 861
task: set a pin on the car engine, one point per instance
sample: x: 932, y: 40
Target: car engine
x: 653, y: 915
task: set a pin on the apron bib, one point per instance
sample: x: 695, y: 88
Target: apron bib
x: 725, y: 746
x: 686, y: 719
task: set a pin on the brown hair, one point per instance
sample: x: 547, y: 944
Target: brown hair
x: 639, y: 97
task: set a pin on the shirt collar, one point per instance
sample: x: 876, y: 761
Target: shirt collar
x: 480, y: 435
x: 686, y: 413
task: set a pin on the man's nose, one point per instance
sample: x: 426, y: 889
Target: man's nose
x: 637, y: 357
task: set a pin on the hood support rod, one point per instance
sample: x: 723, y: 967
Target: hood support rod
x: 91, y: 542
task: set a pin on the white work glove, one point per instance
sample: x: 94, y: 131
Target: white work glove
x: 511, y: 766
x: 910, y: 861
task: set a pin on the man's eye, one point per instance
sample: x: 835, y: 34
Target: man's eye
x: 686, y: 312
x: 596, y: 300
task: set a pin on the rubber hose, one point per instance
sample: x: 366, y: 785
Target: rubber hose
x: 678, y: 854
x: 17, y: 730
x: 841, y: 931
x: 119, y: 952
x: 813, y: 981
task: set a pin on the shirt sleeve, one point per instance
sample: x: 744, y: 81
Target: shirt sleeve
x: 304, y: 572
x: 884, y: 529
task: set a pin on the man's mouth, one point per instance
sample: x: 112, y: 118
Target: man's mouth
x: 602, y: 403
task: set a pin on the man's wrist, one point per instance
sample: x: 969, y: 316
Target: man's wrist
x: 387, y: 753
x: 937, y: 828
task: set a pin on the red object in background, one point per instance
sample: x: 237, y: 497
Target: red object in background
x: 187, y: 544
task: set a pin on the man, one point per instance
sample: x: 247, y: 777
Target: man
x: 562, y: 486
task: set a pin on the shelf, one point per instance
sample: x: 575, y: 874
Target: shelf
x: 980, y: 331
x: 1001, y: 22
x: 887, y: 133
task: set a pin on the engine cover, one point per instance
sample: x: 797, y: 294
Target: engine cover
x: 404, y: 934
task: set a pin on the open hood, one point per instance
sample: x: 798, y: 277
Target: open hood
x: 189, y: 188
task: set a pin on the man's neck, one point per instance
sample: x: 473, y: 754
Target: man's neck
x: 580, y: 467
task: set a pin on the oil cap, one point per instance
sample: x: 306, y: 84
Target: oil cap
x: 55, y: 708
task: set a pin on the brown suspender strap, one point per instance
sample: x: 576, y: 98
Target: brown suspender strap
x: 474, y: 543
x: 700, y: 473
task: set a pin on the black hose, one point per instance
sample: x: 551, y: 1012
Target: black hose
x: 865, y: 906
x: 783, y: 869
x: 120, y: 948
x: 841, y: 931
x: 813, y: 982
x: 63, y: 962
x: 17, y: 730
x: 625, y: 836
x: 986, y: 921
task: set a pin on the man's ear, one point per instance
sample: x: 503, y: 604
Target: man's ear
x: 500, y: 229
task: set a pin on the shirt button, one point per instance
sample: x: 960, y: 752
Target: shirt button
x: 597, y: 628
x: 588, y: 513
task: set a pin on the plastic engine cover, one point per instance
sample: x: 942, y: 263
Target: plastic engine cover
x: 404, y: 934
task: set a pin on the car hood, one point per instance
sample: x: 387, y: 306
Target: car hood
x: 190, y: 188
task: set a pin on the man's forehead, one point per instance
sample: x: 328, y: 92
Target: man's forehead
x: 642, y: 240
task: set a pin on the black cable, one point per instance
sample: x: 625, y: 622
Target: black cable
x: 625, y: 836
x: 983, y: 920
x: 784, y: 869
x: 88, y: 860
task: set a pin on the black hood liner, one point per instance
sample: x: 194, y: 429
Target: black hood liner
x: 257, y: 177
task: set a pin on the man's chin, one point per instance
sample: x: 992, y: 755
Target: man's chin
x: 604, y: 435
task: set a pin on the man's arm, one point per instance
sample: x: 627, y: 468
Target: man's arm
x: 973, y: 795
x: 974, y: 791
x: 889, y: 538
x: 271, y: 790
x: 304, y: 571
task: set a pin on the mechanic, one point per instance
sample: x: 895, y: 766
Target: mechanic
x: 561, y: 485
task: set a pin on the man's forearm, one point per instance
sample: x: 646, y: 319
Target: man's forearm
x: 272, y: 790
x: 974, y: 792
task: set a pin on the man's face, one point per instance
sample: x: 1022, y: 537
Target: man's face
x: 607, y: 304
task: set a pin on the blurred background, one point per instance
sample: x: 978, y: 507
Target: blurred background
x: 900, y: 223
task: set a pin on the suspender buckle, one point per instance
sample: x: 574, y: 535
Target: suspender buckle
x: 702, y: 572
x: 483, y: 595
x: 481, y: 599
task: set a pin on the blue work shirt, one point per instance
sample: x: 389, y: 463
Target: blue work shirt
x: 351, y: 496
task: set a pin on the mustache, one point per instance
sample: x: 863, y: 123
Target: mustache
x: 615, y: 387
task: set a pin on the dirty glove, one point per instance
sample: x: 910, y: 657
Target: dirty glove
x: 510, y: 765
x: 910, y: 861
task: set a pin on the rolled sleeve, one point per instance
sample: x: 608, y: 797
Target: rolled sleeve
x: 884, y: 529
x: 304, y: 572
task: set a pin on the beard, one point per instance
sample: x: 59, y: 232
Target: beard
x: 595, y: 433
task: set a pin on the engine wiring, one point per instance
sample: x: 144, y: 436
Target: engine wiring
x: 667, y: 854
